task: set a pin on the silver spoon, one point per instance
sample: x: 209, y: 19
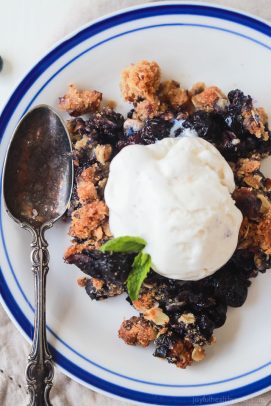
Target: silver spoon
x: 37, y: 185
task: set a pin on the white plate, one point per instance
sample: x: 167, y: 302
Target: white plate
x: 191, y: 43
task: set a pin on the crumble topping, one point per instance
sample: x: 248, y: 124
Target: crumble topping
x: 198, y: 354
x: 171, y: 93
x: 77, y: 102
x: 140, y: 81
x: 157, y: 316
x: 98, y: 289
x: 174, y: 349
x: 178, y: 317
x: 103, y: 153
x: 92, y: 181
x: 90, y: 174
x: 82, y: 282
x: 209, y: 99
x: 86, y: 191
x: 246, y: 166
x: 145, y: 301
x: 197, y: 88
x: 97, y: 283
x: 187, y: 318
x: 255, y: 121
x: 87, y: 219
x: 137, y: 330
x: 75, y: 249
x: 81, y: 144
x: 252, y: 196
x: 148, y: 108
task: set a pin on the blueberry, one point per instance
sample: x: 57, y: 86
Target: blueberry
x: 130, y: 113
x: 112, y: 267
x: 208, y: 125
x: 108, y: 126
x: 168, y: 339
x: 131, y: 140
x: 107, y: 290
x: 238, y: 101
x: 179, y: 328
x: 130, y: 132
x: 155, y: 129
x: 248, y: 202
x: 164, y: 343
x: 218, y: 314
x: 231, y: 284
x: 161, y: 351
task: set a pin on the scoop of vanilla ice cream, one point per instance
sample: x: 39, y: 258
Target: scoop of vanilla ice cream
x: 176, y: 194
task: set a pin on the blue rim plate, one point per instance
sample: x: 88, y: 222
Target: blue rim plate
x: 124, y: 31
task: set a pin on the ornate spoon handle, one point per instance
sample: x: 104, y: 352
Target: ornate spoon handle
x: 40, y: 369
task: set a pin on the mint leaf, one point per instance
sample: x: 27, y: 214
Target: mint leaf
x: 124, y: 244
x: 141, y: 267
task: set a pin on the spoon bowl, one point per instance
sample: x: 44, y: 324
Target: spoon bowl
x: 37, y: 185
x: 38, y: 171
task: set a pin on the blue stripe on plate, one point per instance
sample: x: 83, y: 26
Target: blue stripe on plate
x: 26, y: 83
x: 2, y: 234
x: 121, y: 391
x: 211, y: 27
x: 106, y: 386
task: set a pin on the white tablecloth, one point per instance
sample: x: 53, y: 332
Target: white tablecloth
x: 27, y: 29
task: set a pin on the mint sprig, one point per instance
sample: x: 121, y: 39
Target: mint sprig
x: 141, y: 268
x: 124, y: 244
x: 141, y: 265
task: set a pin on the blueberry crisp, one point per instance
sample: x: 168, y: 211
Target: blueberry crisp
x: 177, y: 316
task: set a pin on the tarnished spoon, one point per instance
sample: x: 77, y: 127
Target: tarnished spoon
x: 37, y: 185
